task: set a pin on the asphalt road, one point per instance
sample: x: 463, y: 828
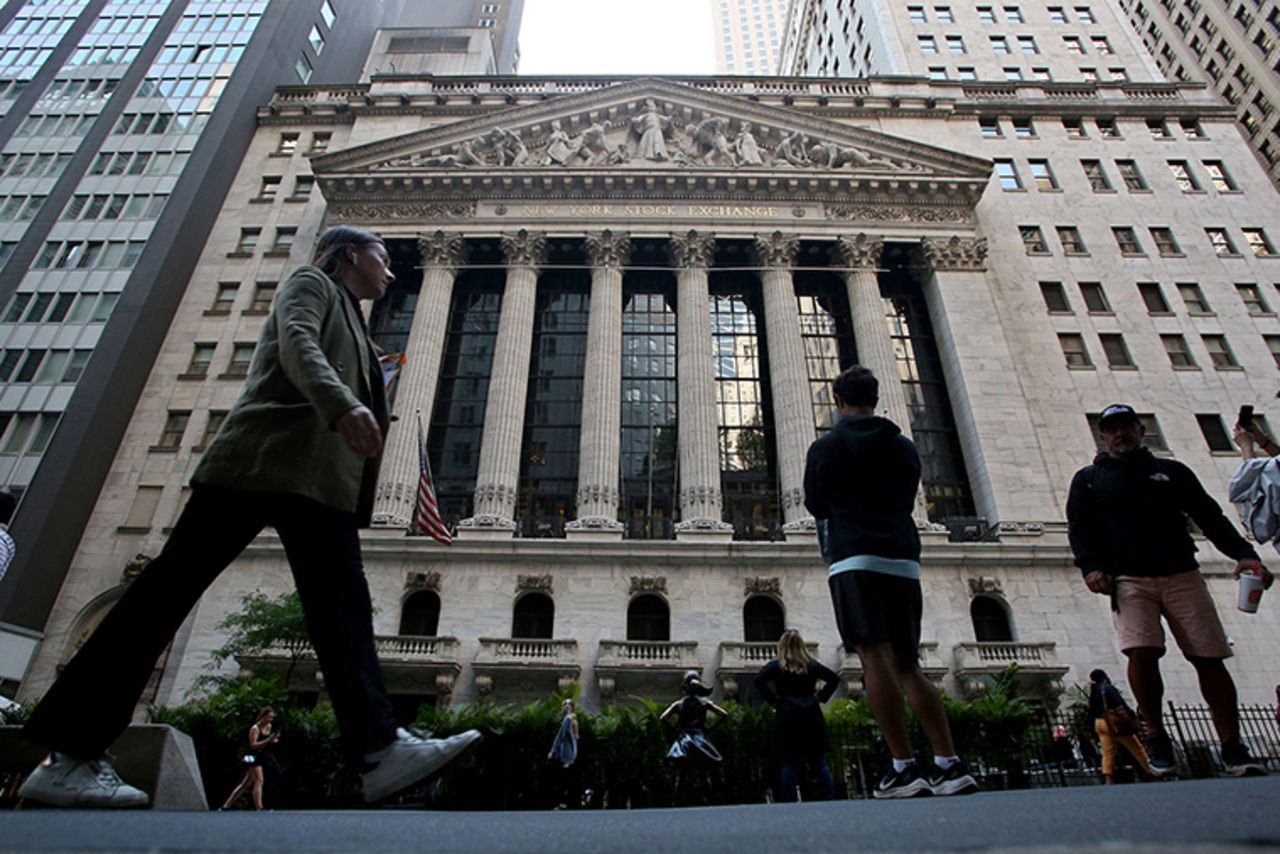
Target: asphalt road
x: 1184, y: 816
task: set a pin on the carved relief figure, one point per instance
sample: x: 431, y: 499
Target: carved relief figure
x: 710, y: 143
x: 559, y: 149
x: 747, y: 149
x: 651, y: 127
x: 792, y: 149
x: 620, y: 154
x: 591, y: 146
x: 508, y: 147
x: 828, y: 155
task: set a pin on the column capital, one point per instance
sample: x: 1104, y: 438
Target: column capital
x: 524, y: 248
x: 608, y: 248
x: 860, y: 251
x: 693, y: 249
x: 777, y: 249
x: 957, y: 253
x: 442, y: 249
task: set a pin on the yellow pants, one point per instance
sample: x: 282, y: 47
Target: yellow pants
x: 1111, y: 743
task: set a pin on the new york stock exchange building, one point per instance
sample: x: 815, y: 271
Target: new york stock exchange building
x: 622, y: 302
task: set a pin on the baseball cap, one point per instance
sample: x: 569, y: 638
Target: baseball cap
x: 1117, y: 412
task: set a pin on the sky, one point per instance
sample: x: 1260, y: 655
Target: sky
x: 616, y: 37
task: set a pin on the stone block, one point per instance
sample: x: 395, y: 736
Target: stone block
x: 156, y: 758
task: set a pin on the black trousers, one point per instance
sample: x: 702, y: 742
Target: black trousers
x: 93, y: 700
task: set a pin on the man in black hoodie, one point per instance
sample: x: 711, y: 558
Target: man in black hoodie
x: 1127, y: 523
x: 860, y: 483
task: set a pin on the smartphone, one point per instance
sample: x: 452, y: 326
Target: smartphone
x: 1245, y: 418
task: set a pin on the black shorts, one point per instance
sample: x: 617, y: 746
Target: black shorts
x: 876, y: 607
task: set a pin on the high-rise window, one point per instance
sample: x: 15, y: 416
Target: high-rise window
x: 1215, y: 433
x: 1008, y: 175
x: 1219, y: 177
x: 1220, y: 241
x: 1193, y: 298
x: 1071, y: 240
x: 1153, y: 298
x: 1096, y: 175
x: 1033, y: 240
x: 1074, y: 351
x: 1219, y: 352
x: 1055, y: 297
x: 1183, y: 176
x: 1252, y: 298
x: 1132, y: 178
x: 1166, y: 243
x: 1095, y: 298
x: 1176, y: 348
x: 1116, y: 351
x: 1258, y: 241
x: 1127, y: 240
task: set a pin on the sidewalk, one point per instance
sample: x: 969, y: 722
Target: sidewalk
x: 1197, y: 815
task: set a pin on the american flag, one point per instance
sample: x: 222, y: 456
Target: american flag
x: 426, y: 514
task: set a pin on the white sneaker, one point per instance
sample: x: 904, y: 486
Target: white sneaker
x: 67, y: 782
x: 411, y: 759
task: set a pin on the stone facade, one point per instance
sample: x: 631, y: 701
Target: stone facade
x: 885, y: 175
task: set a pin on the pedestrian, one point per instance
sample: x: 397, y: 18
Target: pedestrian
x: 7, y: 548
x: 262, y: 738
x: 1116, y: 725
x: 299, y: 452
x: 692, y: 749
x: 1127, y: 524
x: 1255, y: 487
x: 564, y: 749
x: 860, y: 483
x: 789, y: 683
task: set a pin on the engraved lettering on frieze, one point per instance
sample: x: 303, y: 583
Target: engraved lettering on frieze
x: 415, y: 210
x: 423, y: 581
x: 648, y: 584
x: 986, y: 584
x: 533, y: 582
x: 895, y: 213
x: 958, y: 253
x: 763, y: 584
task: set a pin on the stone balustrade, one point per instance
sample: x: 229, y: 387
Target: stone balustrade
x: 530, y: 651
x: 1038, y: 673
x: 658, y: 655
x: 931, y: 664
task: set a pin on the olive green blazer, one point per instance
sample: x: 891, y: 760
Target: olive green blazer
x: 313, y: 362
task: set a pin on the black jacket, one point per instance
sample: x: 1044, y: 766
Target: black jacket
x: 862, y: 478
x: 1130, y: 517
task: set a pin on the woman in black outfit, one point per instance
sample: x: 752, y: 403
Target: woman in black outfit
x: 789, y: 684
x: 261, y: 739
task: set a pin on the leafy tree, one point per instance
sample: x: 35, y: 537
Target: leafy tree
x: 263, y: 623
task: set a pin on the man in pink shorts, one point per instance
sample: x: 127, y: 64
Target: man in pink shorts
x: 1127, y: 522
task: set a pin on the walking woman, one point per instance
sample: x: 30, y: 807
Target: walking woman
x: 298, y: 452
x: 790, y: 685
x: 564, y: 750
x: 1104, y: 697
x: 261, y: 739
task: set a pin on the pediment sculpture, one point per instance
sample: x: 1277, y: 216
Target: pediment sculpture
x: 652, y: 135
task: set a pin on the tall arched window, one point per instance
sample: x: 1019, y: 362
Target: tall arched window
x: 762, y: 619
x: 648, y: 619
x: 420, y: 614
x: 533, y: 617
x: 990, y: 621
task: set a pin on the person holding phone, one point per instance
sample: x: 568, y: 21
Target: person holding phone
x: 1127, y: 525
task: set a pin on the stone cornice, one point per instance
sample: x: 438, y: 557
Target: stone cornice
x: 601, y: 104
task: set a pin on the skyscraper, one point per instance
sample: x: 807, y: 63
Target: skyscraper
x: 123, y: 126
x: 1232, y: 47
x: 748, y: 35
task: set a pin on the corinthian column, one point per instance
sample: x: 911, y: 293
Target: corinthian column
x: 499, y: 471
x: 793, y: 422
x: 600, y: 440
x: 701, y: 515
x: 416, y: 388
x: 860, y: 255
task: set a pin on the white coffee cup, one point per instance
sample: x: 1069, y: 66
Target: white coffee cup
x: 1250, y: 592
